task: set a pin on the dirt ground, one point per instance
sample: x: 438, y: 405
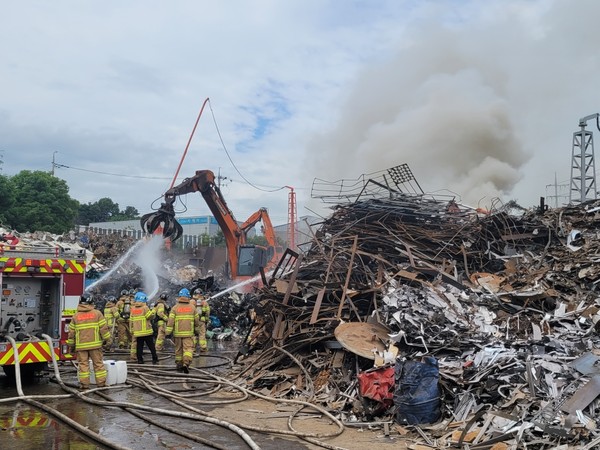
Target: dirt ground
x: 259, y: 412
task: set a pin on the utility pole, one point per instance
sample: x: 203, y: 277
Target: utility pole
x: 556, y: 187
x: 53, y: 164
x: 219, y: 178
x: 1, y: 159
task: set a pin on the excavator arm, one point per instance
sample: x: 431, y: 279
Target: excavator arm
x: 262, y: 215
x: 243, y: 259
x: 204, y: 182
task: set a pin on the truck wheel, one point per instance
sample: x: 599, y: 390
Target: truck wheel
x: 28, y: 371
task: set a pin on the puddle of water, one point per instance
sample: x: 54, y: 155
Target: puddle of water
x: 25, y: 428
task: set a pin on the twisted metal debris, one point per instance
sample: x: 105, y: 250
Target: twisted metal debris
x: 507, y: 304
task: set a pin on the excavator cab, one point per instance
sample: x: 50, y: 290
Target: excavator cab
x: 251, y: 258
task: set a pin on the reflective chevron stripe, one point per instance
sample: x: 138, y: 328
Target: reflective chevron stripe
x: 52, y: 265
x: 29, y: 352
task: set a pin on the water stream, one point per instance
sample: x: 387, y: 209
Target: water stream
x: 145, y: 254
x: 116, y: 266
x: 240, y: 284
x: 148, y: 259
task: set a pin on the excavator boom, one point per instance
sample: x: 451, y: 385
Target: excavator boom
x: 242, y: 258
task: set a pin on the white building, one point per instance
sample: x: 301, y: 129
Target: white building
x: 197, y: 226
x: 193, y: 229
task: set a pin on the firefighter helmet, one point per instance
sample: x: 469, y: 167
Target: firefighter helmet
x: 141, y: 297
x: 86, y: 299
x: 184, y: 293
x: 111, y: 298
x: 163, y: 296
x: 124, y: 292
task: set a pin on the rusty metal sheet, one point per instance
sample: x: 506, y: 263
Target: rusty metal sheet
x: 362, y: 338
x: 584, y: 396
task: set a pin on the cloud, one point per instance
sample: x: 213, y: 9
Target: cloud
x: 477, y: 97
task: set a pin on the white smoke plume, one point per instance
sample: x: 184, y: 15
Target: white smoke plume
x: 464, y: 102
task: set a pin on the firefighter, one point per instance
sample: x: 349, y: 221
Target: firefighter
x: 111, y: 312
x: 124, y: 310
x: 88, y: 333
x: 140, y: 324
x: 133, y: 347
x: 162, y: 315
x: 183, y: 323
x: 193, y: 305
x: 203, y: 310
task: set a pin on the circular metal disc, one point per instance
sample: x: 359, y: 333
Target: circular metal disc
x: 362, y: 338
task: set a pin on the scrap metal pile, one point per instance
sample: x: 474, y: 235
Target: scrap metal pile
x: 506, y: 305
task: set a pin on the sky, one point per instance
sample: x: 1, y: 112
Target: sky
x: 479, y: 98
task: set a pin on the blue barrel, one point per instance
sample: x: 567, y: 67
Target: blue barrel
x: 417, y: 392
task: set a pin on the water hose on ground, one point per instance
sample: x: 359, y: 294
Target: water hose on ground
x: 127, y: 405
x: 176, y: 400
x: 152, y: 386
x: 17, y: 365
x: 322, y: 410
x: 170, y: 429
x: 189, y: 396
x: 75, y: 425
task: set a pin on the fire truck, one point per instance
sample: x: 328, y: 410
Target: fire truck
x: 41, y: 286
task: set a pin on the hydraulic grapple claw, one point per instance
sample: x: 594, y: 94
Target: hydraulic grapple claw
x: 164, y: 217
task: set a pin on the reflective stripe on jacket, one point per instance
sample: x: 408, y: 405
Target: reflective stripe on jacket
x: 184, y: 321
x: 204, y: 309
x: 87, y: 329
x: 139, y: 322
x: 160, y: 312
x: 110, y: 313
x: 120, y: 307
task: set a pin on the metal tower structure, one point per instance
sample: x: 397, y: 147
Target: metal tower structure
x: 583, y: 166
x: 292, y: 218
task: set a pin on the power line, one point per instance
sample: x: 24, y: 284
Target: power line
x: 231, y: 160
x: 272, y: 188
x: 275, y: 188
x: 109, y: 173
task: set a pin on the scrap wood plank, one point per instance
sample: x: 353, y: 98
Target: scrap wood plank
x: 277, y: 331
x: 317, y: 307
x: 347, y: 282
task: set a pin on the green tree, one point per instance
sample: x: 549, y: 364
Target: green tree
x: 220, y: 239
x: 7, y: 198
x: 204, y: 240
x: 257, y: 240
x: 104, y: 210
x: 101, y: 211
x: 129, y: 213
x: 42, y: 203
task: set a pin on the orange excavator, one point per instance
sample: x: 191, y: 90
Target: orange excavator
x: 244, y: 259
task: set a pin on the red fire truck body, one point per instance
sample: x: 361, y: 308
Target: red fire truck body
x: 40, y: 292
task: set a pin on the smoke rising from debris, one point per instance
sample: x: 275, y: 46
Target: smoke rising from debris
x: 466, y: 104
x: 438, y: 110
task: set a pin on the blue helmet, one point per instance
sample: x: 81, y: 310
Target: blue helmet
x: 141, y: 297
x: 184, y: 293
